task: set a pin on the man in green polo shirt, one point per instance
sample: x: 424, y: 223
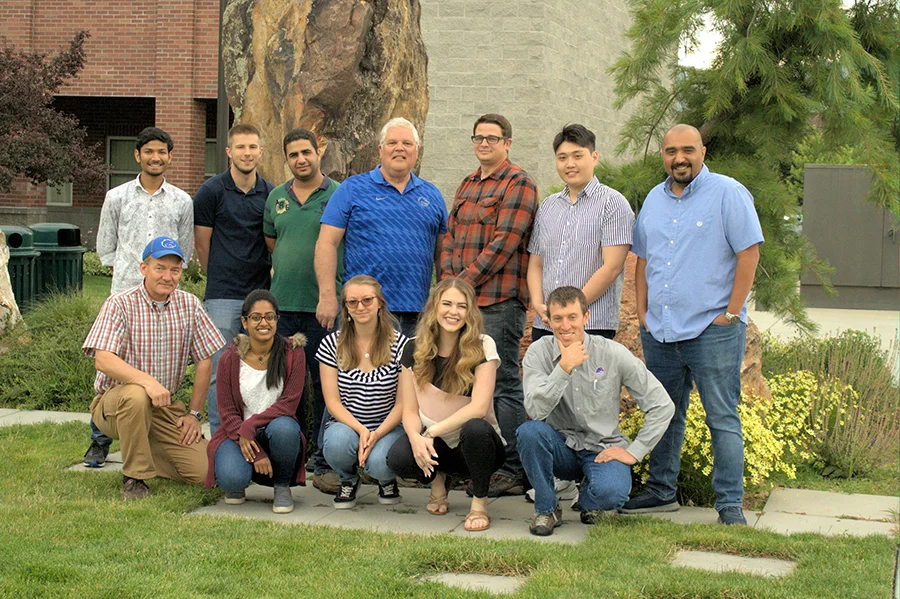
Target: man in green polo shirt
x: 291, y: 228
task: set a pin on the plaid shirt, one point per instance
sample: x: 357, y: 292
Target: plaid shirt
x: 487, y: 233
x: 155, y: 337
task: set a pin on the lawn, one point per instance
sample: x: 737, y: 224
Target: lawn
x: 69, y: 535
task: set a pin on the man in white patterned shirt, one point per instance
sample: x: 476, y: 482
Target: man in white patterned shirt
x: 143, y: 209
x: 141, y: 342
x: 581, y: 237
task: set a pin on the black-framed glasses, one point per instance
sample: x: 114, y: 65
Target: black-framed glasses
x: 492, y: 140
x: 256, y: 317
x: 366, y: 302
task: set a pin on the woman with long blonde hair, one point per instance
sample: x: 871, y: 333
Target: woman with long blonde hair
x: 360, y: 366
x: 446, y: 389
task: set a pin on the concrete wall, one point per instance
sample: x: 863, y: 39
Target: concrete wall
x: 540, y: 63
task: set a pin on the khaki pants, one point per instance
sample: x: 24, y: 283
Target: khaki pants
x: 149, y: 436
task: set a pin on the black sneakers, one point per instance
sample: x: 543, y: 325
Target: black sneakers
x: 346, y: 496
x: 646, y: 503
x: 95, y: 456
x: 389, y: 493
x: 732, y: 515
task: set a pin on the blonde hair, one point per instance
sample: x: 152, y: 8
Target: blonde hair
x: 348, y: 356
x: 468, y: 352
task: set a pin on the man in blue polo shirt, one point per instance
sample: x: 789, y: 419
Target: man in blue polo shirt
x: 228, y: 235
x: 392, y: 224
x: 697, y: 240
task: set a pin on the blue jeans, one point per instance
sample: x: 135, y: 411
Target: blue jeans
x: 713, y: 362
x: 226, y: 315
x: 280, y: 440
x: 545, y: 454
x: 505, y: 324
x: 306, y: 323
x: 342, y: 447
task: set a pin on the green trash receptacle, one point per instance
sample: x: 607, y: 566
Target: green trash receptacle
x: 59, y: 267
x: 22, y: 263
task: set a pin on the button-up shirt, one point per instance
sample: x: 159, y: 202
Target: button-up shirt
x: 156, y: 338
x: 569, y: 239
x: 488, y: 231
x: 584, y: 404
x: 690, y: 244
x: 389, y: 235
x: 131, y: 218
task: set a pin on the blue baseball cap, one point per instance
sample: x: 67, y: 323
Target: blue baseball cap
x: 163, y: 246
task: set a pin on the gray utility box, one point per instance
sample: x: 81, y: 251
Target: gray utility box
x: 859, y: 239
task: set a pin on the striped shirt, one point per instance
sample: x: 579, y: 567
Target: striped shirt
x: 368, y: 396
x: 157, y: 338
x: 131, y: 218
x: 569, y: 239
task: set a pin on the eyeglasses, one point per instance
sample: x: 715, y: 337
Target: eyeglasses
x: 491, y: 139
x: 366, y: 302
x: 256, y: 317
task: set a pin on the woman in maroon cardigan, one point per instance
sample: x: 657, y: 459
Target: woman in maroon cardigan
x: 259, y: 388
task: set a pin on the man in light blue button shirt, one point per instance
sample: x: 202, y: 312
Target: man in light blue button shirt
x: 697, y: 240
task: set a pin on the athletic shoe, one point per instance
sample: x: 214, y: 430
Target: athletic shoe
x: 134, y: 488
x: 346, y: 496
x: 646, y: 503
x: 235, y: 498
x: 730, y: 516
x: 284, y: 502
x: 542, y: 525
x: 95, y: 456
x: 389, y: 493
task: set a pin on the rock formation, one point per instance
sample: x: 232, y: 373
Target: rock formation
x: 9, y: 310
x: 340, y: 68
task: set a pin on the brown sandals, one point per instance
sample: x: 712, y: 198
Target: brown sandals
x: 438, y: 506
x: 477, y: 515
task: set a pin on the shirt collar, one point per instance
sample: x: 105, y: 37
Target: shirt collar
x: 589, y: 341
x: 150, y: 301
x: 590, y: 190
x: 376, y: 175
x: 228, y: 182
x: 497, y: 173
x: 691, y: 187
x: 162, y: 188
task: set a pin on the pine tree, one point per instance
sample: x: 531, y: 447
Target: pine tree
x: 785, y: 72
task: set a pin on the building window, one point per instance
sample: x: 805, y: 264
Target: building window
x: 210, y: 166
x: 120, y: 156
x: 59, y: 195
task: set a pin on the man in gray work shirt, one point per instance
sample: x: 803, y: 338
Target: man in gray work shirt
x: 572, y: 385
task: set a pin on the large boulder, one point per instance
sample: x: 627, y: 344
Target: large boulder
x: 9, y: 309
x: 340, y: 68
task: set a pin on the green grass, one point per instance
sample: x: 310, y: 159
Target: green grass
x: 65, y: 534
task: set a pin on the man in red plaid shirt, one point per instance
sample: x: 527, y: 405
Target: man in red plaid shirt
x: 141, y: 342
x: 485, y: 244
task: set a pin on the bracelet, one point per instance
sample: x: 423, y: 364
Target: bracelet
x: 196, y: 414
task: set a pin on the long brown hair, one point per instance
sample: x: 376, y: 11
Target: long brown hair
x: 348, y: 356
x: 468, y: 352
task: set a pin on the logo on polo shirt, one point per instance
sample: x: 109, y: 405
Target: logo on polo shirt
x: 379, y: 198
x: 282, y: 205
x: 423, y: 202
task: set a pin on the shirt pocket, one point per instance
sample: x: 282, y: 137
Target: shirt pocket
x: 700, y: 225
x: 486, y: 213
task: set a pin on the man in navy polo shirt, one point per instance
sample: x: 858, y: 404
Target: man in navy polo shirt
x: 697, y: 240
x: 392, y: 224
x: 228, y: 234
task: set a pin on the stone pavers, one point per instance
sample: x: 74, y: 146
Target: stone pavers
x: 11, y: 417
x: 498, y: 585
x: 723, y: 562
x: 789, y: 511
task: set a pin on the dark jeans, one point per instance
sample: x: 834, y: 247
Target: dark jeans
x: 538, y: 333
x: 505, y: 324
x: 478, y: 455
x: 407, y: 322
x: 306, y: 323
x: 282, y: 443
x: 713, y: 362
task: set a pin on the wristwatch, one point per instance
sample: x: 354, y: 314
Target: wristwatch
x: 196, y: 414
x: 732, y: 318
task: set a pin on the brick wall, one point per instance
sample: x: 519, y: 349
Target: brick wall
x: 540, y: 63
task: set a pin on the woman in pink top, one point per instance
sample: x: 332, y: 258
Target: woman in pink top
x: 446, y: 390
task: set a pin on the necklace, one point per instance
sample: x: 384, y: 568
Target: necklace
x: 259, y: 357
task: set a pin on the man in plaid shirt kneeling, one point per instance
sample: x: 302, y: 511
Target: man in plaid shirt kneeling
x: 141, y: 342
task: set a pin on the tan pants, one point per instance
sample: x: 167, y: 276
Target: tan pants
x: 149, y: 436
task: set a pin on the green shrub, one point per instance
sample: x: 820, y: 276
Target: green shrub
x: 91, y: 265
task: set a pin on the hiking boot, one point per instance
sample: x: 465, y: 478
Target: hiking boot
x: 134, y: 488
x: 646, y: 503
x: 389, y: 493
x: 235, y: 498
x: 730, y: 516
x: 594, y: 516
x: 346, y: 496
x: 565, y: 490
x: 95, y: 456
x: 327, y: 483
x: 284, y: 502
x: 501, y: 485
x: 542, y: 525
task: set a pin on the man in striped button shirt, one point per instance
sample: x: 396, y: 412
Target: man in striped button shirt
x: 485, y: 244
x: 581, y: 238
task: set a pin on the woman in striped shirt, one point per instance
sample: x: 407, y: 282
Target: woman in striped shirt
x: 359, y: 367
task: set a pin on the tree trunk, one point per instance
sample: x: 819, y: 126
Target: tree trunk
x: 340, y: 68
x: 9, y: 309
